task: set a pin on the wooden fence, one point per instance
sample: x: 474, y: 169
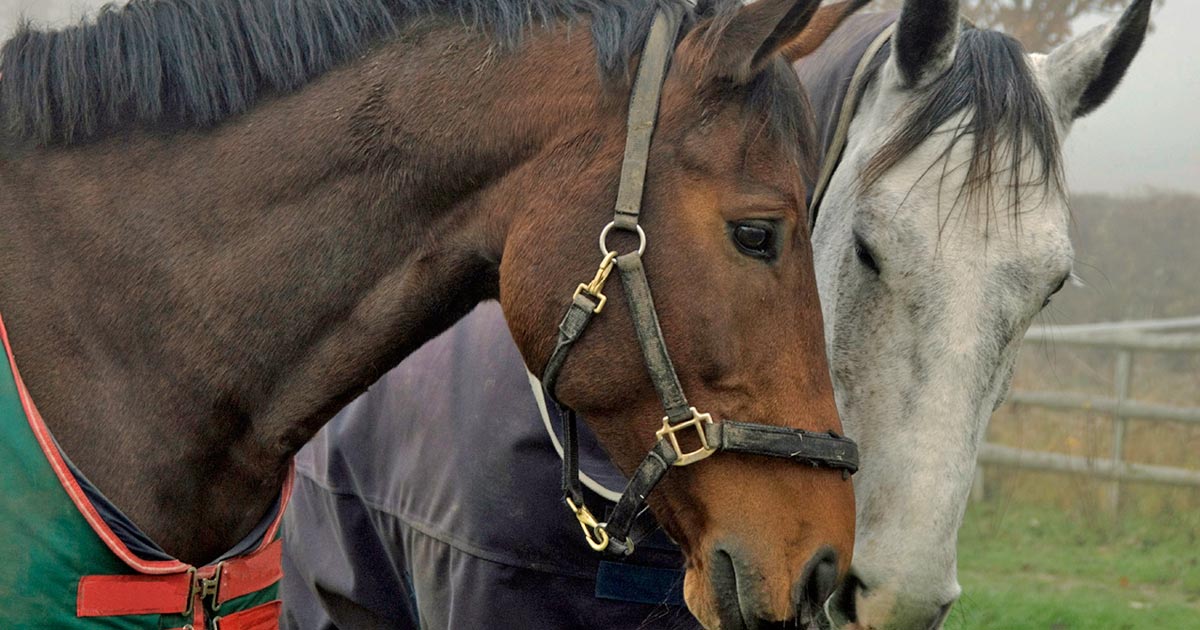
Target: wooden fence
x: 1125, y: 339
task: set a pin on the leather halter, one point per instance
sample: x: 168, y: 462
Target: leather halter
x: 816, y: 449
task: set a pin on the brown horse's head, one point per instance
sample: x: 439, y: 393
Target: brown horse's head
x: 729, y: 260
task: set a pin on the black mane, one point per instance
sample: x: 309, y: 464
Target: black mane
x: 1010, y: 120
x: 197, y: 62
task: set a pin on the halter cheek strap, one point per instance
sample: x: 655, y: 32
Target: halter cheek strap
x: 680, y: 419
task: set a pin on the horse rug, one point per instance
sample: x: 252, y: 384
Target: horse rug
x: 69, y: 560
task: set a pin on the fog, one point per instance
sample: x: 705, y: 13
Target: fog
x: 1148, y: 135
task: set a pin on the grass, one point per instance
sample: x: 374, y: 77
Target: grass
x: 1044, y: 552
x: 1044, y: 568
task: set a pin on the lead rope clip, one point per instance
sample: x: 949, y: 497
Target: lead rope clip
x: 593, y: 531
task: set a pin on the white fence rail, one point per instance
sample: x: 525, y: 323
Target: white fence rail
x: 1126, y: 339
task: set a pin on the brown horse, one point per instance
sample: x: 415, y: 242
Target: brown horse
x: 221, y: 221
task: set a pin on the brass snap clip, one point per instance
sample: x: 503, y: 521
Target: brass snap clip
x: 700, y: 421
x: 593, y: 531
x: 596, y: 286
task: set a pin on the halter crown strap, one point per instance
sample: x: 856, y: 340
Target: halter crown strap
x: 643, y: 112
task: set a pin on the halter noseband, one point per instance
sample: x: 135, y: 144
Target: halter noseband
x: 816, y: 449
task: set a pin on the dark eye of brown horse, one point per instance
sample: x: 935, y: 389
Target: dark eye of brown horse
x: 755, y: 238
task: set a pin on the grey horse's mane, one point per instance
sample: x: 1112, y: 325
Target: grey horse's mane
x: 1010, y: 121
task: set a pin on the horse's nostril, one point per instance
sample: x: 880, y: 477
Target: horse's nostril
x: 823, y: 580
x: 817, y: 582
x: 725, y: 587
x: 943, y: 612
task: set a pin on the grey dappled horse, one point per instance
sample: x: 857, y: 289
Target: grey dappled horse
x: 942, y: 234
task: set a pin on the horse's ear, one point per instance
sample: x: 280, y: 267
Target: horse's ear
x: 925, y: 40
x: 740, y: 43
x: 1083, y: 72
x: 822, y: 25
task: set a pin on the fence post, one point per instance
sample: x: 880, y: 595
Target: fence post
x: 1123, y: 379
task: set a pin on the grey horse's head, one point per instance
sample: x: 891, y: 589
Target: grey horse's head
x: 942, y: 234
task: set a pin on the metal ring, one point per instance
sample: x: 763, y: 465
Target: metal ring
x: 604, y: 237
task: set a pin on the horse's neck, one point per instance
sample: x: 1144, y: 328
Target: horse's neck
x: 189, y: 310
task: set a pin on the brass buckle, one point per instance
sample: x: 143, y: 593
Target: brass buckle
x: 595, y: 287
x: 700, y: 421
x: 192, y: 590
x: 204, y: 588
x: 593, y: 531
x: 211, y: 587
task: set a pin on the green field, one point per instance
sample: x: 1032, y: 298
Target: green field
x: 1046, y: 568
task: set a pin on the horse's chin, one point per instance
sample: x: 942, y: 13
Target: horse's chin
x: 702, y: 607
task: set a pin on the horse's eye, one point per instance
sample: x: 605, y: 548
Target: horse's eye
x: 1061, y: 283
x: 754, y: 238
x: 864, y: 255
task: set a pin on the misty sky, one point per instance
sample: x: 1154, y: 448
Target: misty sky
x: 1147, y: 135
